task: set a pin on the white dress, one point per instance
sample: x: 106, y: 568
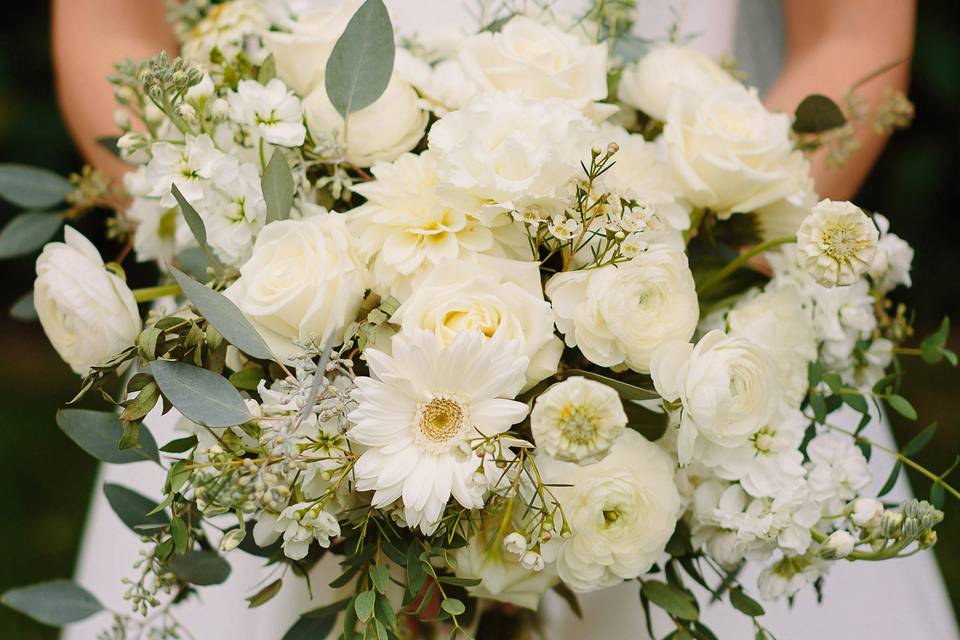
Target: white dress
x: 893, y: 599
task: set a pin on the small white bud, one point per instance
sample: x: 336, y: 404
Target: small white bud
x: 152, y: 113
x: 866, y: 512
x: 532, y: 560
x: 220, y: 109
x: 515, y: 543
x: 839, y: 545
x: 121, y: 118
x: 232, y: 540
x: 187, y: 112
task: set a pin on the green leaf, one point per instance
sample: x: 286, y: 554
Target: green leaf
x: 23, y: 309
x: 627, y: 391
x: 744, y: 603
x: 202, y: 568
x: 416, y: 575
x: 916, y: 444
x: 363, y: 605
x: 267, y: 71
x: 247, y: 378
x: 200, y: 395
x: 55, y: 603
x: 819, y: 406
x: 28, y: 232
x: 891, y: 479
x: 902, y: 406
x: 132, y: 508
x: 224, y: 316
x: 266, y: 595
x: 195, y: 222
x: 567, y: 594
x: 936, y: 495
x: 277, y: 186
x: 99, y: 433
x: 32, y: 187
x: 456, y: 581
x: 110, y: 144
x: 180, y: 445
x: 671, y: 599
x: 311, y: 628
x: 138, y: 407
x: 130, y: 437
x: 361, y: 63
x: 180, y: 535
x: 380, y: 577
x: 856, y: 402
x: 817, y: 113
x: 452, y: 606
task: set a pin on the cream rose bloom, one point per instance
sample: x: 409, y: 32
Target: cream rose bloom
x: 538, y: 61
x: 621, y: 512
x: 494, y: 296
x: 727, y: 386
x: 731, y: 154
x: 666, y: 71
x: 621, y: 313
x: 303, y: 281
x: 87, y: 312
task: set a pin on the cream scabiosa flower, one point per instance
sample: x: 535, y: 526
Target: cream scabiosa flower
x: 577, y: 420
x: 419, y: 410
x: 87, y: 312
x: 836, y: 243
x: 621, y: 512
x: 271, y: 110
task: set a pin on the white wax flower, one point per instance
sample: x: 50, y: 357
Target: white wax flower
x: 494, y: 296
x: 577, y: 420
x: 622, y: 313
x: 303, y: 281
x: 665, y: 72
x: 87, y: 312
x: 621, y: 512
x: 417, y: 413
x: 515, y: 543
x: 836, y: 243
x: 270, y: 110
x: 727, y: 386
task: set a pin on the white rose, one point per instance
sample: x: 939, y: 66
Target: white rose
x: 728, y: 388
x: 622, y: 313
x: 501, y: 574
x: 621, y: 512
x: 87, y: 312
x: 663, y: 73
x: 302, y: 282
x: 384, y: 130
x: 495, y: 296
x: 538, y: 61
x: 733, y: 155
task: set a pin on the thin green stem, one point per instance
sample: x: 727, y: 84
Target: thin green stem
x: 741, y: 260
x: 152, y: 293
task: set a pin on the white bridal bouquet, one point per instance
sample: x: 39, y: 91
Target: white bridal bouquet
x: 480, y: 316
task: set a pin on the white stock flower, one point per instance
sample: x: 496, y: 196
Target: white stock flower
x: 731, y: 154
x: 303, y: 281
x: 507, y: 150
x: 419, y: 410
x: 666, y: 71
x: 409, y: 223
x: 577, y: 420
x: 838, y: 545
x: 838, y: 470
x: 161, y: 232
x: 727, y: 387
x: 87, y: 312
x: 790, y: 574
x: 190, y: 166
x: 494, y: 296
x: 836, y: 243
x: 765, y: 524
x: 621, y: 512
x: 538, y: 61
x: 271, y: 110
x: 891, y: 265
x: 622, y: 313
x: 382, y: 131
x: 230, y: 27
x: 234, y: 214
x: 502, y: 575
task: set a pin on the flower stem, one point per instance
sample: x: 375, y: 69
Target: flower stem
x: 741, y: 260
x: 152, y: 293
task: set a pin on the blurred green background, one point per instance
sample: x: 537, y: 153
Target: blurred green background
x: 45, y: 481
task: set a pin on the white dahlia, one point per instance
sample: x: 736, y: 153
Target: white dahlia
x: 418, y: 412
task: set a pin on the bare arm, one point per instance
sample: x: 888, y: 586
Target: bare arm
x: 831, y: 45
x: 88, y: 37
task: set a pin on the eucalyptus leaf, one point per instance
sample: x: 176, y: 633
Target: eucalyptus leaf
x: 180, y: 445
x: 195, y: 222
x: 110, y: 144
x: 627, y: 391
x: 277, y: 186
x: 32, y: 187
x: 55, y: 603
x: 202, y: 568
x: 132, y: 508
x: 817, y: 113
x: 671, y: 599
x: 199, y: 394
x: 361, y: 63
x: 224, y: 315
x: 363, y: 605
x: 28, y: 232
x: 24, y: 309
x: 99, y: 433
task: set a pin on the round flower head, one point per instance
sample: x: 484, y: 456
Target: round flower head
x: 577, y: 420
x: 836, y: 243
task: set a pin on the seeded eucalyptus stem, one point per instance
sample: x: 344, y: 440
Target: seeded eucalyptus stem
x: 741, y: 260
x: 152, y: 293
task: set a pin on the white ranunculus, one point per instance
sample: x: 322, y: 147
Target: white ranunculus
x: 728, y: 388
x: 621, y: 512
x: 539, y: 61
x: 663, y: 73
x: 837, y: 243
x: 384, y: 130
x: 622, y: 313
x: 732, y: 155
x: 303, y: 281
x: 501, y: 574
x: 494, y: 296
x: 87, y: 312
x: 577, y: 420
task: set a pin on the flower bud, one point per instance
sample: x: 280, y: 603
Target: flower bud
x: 532, y: 560
x: 515, y: 543
x: 839, y: 545
x: 232, y: 540
x: 890, y: 523
x: 121, y: 118
x: 866, y: 512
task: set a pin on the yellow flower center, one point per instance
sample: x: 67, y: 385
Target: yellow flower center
x: 842, y: 242
x: 441, y: 419
x: 578, y: 423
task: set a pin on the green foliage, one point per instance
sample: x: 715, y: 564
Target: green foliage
x: 677, y: 602
x: 744, y: 603
x: 202, y: 568
x: 934, y: 348
x: 916, y: 444
x: 626, y: 390
x: 99, y: 434
x: 133, y: 509
x: 55, y: 603
x: 28, y: 232
x: 817, y: 113
x: 32, y: 187
x: 24, y: 309
x: 199, y: 394
x: 902, y: 406
x: 197, y: 228
x: 361, y: 62
x: 277, y: 186
x: 180, y: 445
x: 265, y: 595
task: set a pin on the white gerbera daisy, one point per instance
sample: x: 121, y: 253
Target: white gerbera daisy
x: 836, y: 243
x: 418, y: 413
